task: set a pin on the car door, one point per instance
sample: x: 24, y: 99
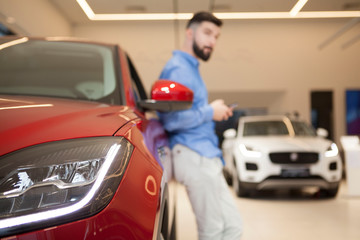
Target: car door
x: 156, y: 141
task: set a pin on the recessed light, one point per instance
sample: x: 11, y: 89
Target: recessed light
x: 223, y: 15
x: 298, y: 6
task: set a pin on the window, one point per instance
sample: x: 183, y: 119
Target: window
x: 58, y: 69
x: 265, y: 128
x: 139, y: 91
x: 4, y: 31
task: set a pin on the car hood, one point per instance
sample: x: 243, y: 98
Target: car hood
x: 285, y: 144
x: 26, y: 121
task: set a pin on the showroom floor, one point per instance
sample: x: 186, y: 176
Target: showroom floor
x: 285, y: 216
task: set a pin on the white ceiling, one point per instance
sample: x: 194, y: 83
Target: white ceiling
x: 72, y: 11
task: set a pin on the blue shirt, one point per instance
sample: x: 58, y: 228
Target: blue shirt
x: 194, y: 127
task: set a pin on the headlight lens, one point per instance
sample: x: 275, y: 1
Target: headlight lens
x: 249, y: 151
x: 332, y: 151
x: 58, y: 182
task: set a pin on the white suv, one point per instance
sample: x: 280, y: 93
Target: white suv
x: 273, y: 152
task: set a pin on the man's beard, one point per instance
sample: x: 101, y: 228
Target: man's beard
x: 200, y: 53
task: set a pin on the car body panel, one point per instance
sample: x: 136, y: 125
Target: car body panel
x: 118, y: 220
x: 283, y: 144
x: 141, y: 207
x: 34, y: 120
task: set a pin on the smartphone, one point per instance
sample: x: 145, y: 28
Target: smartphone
x: 233, y: 105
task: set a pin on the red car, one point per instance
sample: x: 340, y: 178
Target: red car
x: 80, y: 157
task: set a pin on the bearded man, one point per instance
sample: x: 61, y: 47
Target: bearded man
x: 197, y: 158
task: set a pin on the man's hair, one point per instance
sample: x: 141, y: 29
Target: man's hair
x: 200, y: 17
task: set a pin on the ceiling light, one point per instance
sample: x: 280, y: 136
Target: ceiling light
x: 141, y: 16
x: 222, y: 15
x: 14, y: 42
x: 298, y: 6
x: 286, y: 15
x: 86, y: 8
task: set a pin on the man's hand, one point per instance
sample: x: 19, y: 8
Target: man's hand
x: 221, y: 110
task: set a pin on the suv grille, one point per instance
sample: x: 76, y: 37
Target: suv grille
x: 294, y: 157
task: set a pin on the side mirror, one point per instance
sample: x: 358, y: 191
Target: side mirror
x: 168, y: 96
x: 321, y: 132
x: 229, y: 133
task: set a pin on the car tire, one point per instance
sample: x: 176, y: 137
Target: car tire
x: 228, y: 177
x: 239, y: 189
x: 332, y: 192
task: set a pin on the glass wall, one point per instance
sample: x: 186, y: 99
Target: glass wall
x: 5, y: 31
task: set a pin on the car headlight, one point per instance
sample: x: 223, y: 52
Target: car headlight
x: 332, y: 151
x: 58, y: 182
x: 249, y: 151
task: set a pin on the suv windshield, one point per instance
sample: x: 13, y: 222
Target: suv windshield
x: 275, y: 128
x: 265, y: 128
x: 303, y: 129
x: 57, y: 69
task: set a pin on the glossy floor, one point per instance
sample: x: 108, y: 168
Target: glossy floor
x: 286, y: 215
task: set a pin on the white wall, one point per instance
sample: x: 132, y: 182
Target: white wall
x: 149, y: 44
x: 33, y: 18
x: 284, y: 56
x: 273, y: 64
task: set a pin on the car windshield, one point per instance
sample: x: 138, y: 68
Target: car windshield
x: 277, y: 128
x: 265, y: 128
x: 303, y: 129
x: 57, y: 69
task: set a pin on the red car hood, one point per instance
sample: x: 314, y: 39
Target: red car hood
x: 26, y: 121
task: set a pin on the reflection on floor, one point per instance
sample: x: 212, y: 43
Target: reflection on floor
x: 285, y: 215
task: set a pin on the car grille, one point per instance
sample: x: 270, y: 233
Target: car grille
x: 294, y: 157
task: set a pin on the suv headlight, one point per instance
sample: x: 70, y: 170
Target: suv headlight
x: 58, y: 182
x: 249, y: 151
x: 332, y: 151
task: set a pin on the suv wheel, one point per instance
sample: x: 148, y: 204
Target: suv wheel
x: 332, y: 192
x: 240, y: 190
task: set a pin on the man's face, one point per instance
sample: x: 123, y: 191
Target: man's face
x: 205, y: 37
